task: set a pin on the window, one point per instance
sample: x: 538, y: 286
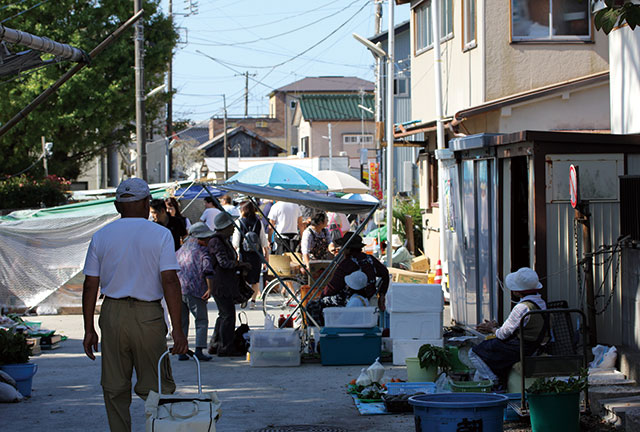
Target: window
x: 292, y: 104
x: 400, y: 87
x: 422, y: 19
x: 550, y: 20
x: 469, y: 24
x: 304, y: 146
x: 357, y: 139
x: 433, y: 180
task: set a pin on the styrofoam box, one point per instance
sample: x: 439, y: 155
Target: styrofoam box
x: 350, y: 317
x: 271, y: 357
x: 394, y: 388
x: 286, y: 338
x: 403, y: 348
x: 416, y: 325
x: 409, y: 297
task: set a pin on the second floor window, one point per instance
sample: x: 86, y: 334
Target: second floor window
x: 424, y: 30
x: 551, y: 20
x: 469, y: 23
x: 357, y: 139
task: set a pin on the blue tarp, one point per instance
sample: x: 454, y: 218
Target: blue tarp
x: 197, y: 191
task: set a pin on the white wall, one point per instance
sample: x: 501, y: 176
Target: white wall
x: 583, y: 109
x: 624, y: 56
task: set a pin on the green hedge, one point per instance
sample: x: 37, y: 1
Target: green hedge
x: 24, y: 192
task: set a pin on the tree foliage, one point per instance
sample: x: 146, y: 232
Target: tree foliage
x: 617, y: 13
x: 96, y: 108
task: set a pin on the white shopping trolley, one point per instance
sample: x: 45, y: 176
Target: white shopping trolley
x: 181, y: 412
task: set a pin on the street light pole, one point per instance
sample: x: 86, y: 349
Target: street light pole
x: 390, y: 129
x: 141, y: 145
x: 225, y: 151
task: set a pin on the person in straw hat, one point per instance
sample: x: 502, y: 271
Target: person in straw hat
x: 494, y: 357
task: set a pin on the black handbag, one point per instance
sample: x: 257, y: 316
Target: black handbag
x: 244, y: 291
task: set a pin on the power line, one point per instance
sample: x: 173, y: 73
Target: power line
x: 12, y: 4
x: 287, y: 32
x: 24, y: 11
x: 278, y: 20
x: 299, y: 54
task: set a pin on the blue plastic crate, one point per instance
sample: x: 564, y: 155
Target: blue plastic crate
x: 350, y: 346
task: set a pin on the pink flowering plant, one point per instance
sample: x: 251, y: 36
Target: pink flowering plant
x: 22, y: 192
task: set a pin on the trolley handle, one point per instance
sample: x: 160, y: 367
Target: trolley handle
x: 190, y: 354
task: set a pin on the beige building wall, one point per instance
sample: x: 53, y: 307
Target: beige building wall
x: 462, y: 71
x: 517, y: 67
x: 320, y: 145
x: 496, y: 68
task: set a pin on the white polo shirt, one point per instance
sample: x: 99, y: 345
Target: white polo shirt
x: 286, y: 215
x: 128, y: 256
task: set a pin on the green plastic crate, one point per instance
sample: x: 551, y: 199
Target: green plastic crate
x: 471, y: 386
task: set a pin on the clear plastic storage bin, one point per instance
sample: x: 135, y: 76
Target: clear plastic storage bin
x: 270, y: 357
x: 352, y: 317
x: 286, y: 338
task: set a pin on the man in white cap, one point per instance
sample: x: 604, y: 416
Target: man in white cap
x: 494, y: 357
x: 133, y: 260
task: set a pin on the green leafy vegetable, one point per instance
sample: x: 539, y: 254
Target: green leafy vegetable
x: 431, y: 355
x: 13, y: 348
x: 572, y: 385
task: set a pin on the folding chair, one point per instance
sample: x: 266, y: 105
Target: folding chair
x: 560, y: 356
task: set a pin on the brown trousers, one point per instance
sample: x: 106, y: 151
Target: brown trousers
x: 133, y: 336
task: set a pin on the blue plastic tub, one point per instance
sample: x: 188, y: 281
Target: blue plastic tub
x: 452, y: 412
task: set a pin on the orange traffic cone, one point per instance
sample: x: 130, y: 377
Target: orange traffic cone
x: 438, y: 279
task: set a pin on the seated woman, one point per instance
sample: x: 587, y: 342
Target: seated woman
x: 316, y: 239
x: 337, y: 292
x: 401, y: 257
x: 493, y: 358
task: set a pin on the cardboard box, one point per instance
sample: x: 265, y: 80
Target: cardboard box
x: 420, y: 264
x: 398, y: 275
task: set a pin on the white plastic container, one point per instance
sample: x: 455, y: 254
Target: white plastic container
x: 352, y: 317
x: 273, y: 357
x: 403, y: 348
x: 409, y: 297
x: 416, y: 325
x: 286, y: 338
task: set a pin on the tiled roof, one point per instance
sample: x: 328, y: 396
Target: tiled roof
x: 335, y: 107
x: 328, y: 84
x: 200, y: 134
x: 236, y: 130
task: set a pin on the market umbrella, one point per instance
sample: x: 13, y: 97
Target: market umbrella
x: 278, y: 174
x: 360, y: 197
x: 337, y: 181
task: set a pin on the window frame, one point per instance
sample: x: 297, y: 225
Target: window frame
x: 396, y: 92
x: 551, y: 39
x: 443, y: 38
x: 360, y: 139
x: 471, y: 44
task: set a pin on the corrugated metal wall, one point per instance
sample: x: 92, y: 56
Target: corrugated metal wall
x: 562, y: 282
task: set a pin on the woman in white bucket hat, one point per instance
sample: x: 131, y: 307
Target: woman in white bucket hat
x: 494, y: 357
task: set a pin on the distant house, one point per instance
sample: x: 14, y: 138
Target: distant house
x: 242, y: 143
x: 352, y: 128
x: 284, y: 100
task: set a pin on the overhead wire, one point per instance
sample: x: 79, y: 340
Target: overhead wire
x: 286, y: 32
x: 278, y: 20
x: 12, y: 4
x: 24, y: 11
x: 302, y: 52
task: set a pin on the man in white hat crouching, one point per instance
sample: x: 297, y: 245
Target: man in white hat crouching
x: 494, y: 357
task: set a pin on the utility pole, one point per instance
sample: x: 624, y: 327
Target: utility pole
x: 226, y: 149
x: 170, y: 83
x: 330, y: 148
x: 45, y: 163
x: 378, y: 16
x: 141, y: 135
x: 437, y: 68
x: 246, y: 76
x: 390, y: 129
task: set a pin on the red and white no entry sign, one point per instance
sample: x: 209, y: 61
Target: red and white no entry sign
x: 573, y: 185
